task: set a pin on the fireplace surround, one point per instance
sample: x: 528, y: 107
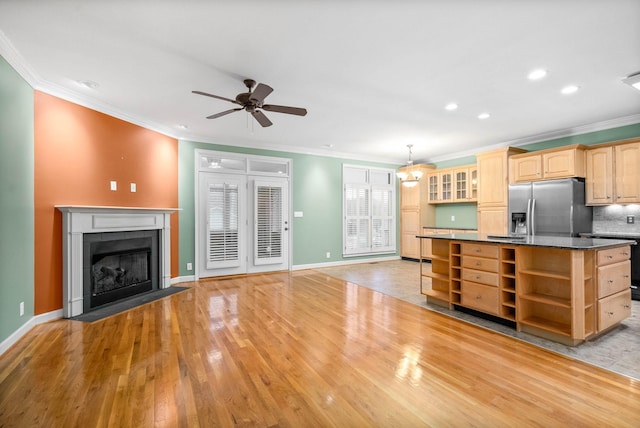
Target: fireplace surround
x: 101, y: 224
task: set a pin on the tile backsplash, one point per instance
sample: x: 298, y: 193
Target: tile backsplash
x: 613, y: 218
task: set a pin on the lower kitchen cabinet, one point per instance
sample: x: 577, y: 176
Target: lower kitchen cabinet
x: 613, y: 286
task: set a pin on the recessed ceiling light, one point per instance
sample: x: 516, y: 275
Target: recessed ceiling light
x: 89, y: 84
x: 633, y: 80
x: 451, y: 106
x: 329, y: 146
x: 570, y: 89
x: 183, y: 126
x: 484, y: 116
x: 537, y: 74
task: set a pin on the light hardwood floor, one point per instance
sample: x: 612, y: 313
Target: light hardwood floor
x: 297, y: 349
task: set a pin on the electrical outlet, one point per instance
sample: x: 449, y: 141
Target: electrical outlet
x: 21, y: 308
x: 189, y: 266
x: 631, y: 219
x: 453, y: 218
x: 328, y: 255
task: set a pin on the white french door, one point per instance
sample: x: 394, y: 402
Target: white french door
x: 270, y: 229
x: 243, y: 224
x: 222, y: 228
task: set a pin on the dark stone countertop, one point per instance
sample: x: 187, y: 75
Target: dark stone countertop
x: 568, y: 243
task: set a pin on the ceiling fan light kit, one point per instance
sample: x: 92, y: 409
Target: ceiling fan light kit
x: 252, y: 102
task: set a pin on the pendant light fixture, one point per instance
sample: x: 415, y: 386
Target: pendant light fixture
x: 410, y: 176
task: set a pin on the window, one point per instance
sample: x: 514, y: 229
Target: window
x: 369, y: 211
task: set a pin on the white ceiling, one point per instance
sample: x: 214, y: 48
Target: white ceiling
x: 373, y: 75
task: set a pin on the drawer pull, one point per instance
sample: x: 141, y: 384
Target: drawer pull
x: 610, y: 313
x: 477, y: 276
x: 609, y: 257
x: 610, y: 281
x: 478, y: 263
x: 625, y: 276
x: 478, y: 297
x: 478, y: 250
x: 624, y: 253
x: 627, y: 306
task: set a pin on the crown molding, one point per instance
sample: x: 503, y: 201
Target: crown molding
x: 545, y: 136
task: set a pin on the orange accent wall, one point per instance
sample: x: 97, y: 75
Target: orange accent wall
x: 78, y: 151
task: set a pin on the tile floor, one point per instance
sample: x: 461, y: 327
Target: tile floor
x: 618, y: 351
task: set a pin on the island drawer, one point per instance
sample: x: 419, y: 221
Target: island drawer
x: 481, y: 297
x: 613, y: 309
x: 481, y: 250
x: 482, y: 277
x: 613, y: 278
x: 489, y: 265
x: 613, y: 255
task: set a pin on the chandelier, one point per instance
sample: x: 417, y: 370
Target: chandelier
x: 411, y: 176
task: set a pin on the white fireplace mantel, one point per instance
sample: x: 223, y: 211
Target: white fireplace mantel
x: 78, y: 220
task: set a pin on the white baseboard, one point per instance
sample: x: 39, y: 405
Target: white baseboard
x: 179, y: 279
x: 27, y: 326
x: 345, y: 262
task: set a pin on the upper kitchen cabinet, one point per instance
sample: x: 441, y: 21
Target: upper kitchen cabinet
x: 465, y: 183
x: 561, y: 162
x: 456, y: 184
x: 493, y: 189
x: 612, y: 173
x: 415, y: 212
x: 440, y: 186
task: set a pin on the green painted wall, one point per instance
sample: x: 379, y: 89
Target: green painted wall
x: 316, y: 191
x: 466, y: 214
x: 16, y: 200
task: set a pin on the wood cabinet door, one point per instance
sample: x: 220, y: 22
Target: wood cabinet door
x: 559, y: 164
x: 461, y: 185
x: 446, y: 186
x: 493, y: 221
x: 627, y: 166
x: 527, y: 168
x: 493, y: 182
x: 599, y: 180
x: 433, y: 188
x: 409, y: 228
x: 409, y: 197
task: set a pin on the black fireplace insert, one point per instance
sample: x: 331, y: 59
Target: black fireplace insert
x: 118, y: 265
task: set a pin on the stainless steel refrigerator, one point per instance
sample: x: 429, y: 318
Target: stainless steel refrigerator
x: 551, y: 207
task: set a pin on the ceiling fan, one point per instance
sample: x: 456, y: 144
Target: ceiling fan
x: 252, y: 102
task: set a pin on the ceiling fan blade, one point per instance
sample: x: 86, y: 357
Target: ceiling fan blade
x: 214, y: 116
x: 284, y: 109
x: 261, y: 118
x: 261, y: 92
x: 214, y: 96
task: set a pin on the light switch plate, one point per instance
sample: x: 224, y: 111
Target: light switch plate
x: 298, y: 214
x: 114, y: 185
x: 133, y: 187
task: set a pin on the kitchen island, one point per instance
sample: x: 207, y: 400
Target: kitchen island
x: 564, y: 289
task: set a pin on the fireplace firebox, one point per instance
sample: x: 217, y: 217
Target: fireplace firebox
x: 119, y: 265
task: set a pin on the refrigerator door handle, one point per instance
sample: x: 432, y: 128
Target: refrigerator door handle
x: 528, y: 217
x: 533, y: 216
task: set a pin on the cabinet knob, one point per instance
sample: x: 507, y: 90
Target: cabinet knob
x: 627, y: 306
x: 478, y: 263
x: 477, y: 276
x: 478, y: 297
x: 624, y: 253
x: 610, y: 281
x: 610, y: 313
x: 609, y: 257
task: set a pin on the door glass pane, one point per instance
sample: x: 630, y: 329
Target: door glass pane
x: 269, y: 222
x: 222, y: 212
